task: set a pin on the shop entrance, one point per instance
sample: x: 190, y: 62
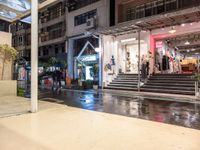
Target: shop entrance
x: 131, y: 57
x: 87, y: 64
x: 177, y: 55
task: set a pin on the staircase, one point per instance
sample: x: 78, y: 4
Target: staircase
x: 170, y: 83
x: 124, y: 82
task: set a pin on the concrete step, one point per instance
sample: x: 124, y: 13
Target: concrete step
x: 171, y: 84
x: 123, y: 85
x: 169, y: 87
x: 114, y: 82
x: 168, y: 91
x: 122, y: 88
x: 172, y: 79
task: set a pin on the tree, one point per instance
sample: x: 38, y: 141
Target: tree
x: 7, y: 54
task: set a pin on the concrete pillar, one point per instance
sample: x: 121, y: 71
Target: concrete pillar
x: 101, y: 61
x: 139, y: 63
x: 34, y: 56
x: 70, y: 57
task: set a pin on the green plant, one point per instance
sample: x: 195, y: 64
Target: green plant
x: 196, y: 77
x: 7, y: 54
x: 88, y: 84
x: 64, y: 63
x: 52, y: 61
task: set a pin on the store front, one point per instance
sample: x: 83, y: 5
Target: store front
x: 121, y: 54
x: 84, y: 59
x: 178, y: 52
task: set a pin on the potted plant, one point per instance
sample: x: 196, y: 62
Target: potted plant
x: 95, y: 73
x: 7, y: 54
x: 196, y: 77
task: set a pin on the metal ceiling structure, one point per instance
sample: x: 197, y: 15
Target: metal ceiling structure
x: 154, y: 22
x: 11, y: 10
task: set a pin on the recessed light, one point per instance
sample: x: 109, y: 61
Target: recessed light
x: 187, y: 43
x: 172, y: 31
x: 128, y: 40
x: 183, y: 25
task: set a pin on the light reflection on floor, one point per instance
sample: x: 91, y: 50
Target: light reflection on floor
x: 171, y: 112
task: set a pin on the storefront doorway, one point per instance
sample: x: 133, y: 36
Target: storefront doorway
x: 177, y: 55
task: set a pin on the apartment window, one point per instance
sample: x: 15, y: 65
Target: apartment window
x: 170, y: 5
x: 20, y: 40
x: 45, y: 52
x: 140, y: 11
x: 81, y: 19
x: 130, y: 14
x: 76, y: 4
x: 63, y: 48
x: 160, y: 6
x: 56, y: 50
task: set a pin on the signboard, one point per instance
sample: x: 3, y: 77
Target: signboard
x: 159, y: 44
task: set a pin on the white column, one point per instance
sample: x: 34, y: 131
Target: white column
x: 139, y: 63
x: 101, y: 61
x: 34, y: 56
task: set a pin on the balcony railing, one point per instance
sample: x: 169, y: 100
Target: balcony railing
x: 158, y: 7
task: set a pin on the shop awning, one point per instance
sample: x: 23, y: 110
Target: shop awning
x: 159, y: 21
x: 11, y: 10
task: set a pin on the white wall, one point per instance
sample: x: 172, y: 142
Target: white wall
x: 110, y: 48
x: 5, y: 38
x: 102, y: 16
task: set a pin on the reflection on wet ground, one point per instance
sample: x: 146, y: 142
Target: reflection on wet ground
x: 150, y: 108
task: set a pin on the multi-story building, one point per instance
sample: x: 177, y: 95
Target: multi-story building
x: 21, y: 38
x: 52, y: 33
x: 83, y: 18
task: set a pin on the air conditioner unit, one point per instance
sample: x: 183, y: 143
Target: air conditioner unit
x: 91, y: 23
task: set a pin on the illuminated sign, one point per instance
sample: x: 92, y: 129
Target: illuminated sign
x: 159, y: 44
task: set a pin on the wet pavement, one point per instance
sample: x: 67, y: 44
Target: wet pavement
x: 164, y: 110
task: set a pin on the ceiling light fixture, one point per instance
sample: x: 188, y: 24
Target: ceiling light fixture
x: 187, y: 43
x: 172, y: 31
x: 183, y: 25
x: 128, y: 40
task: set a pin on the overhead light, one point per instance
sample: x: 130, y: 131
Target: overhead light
x: 193, y: 49
x: 183, y: 25
x: 187, y: 43
x: 97, y: 49
x: 172, y: 31
x: 188, y: 51
x: 138, y: 22
x: 128, y: 40
x: 191, y: 24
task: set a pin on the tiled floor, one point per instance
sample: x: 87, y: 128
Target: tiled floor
x: 13, y: 105
x: 66, y: 128
x: 176, y: 111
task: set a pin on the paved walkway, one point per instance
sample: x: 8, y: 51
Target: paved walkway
x: 13, y: 105
x: 66, y: 128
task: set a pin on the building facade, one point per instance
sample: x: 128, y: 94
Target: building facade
x: 52, y: 33
x: 144, y: 22
x: 85, y: 17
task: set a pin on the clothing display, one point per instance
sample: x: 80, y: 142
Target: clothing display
x: 144, y: 71
x: 165, y: 63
